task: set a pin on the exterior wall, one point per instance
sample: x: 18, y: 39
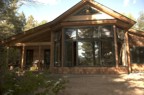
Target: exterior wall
x: 36, y: 52
x: 89, y: 17
x: 136, y: 39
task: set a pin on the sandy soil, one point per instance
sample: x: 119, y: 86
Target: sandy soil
x: 132, y: 84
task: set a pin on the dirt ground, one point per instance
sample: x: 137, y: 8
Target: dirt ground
x: 124, y: 84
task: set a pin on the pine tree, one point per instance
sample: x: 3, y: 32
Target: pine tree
x: 140, y: 21
x: 11, y: 21
x: 30, y: 23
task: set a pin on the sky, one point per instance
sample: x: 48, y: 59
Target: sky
x: 50, y: 9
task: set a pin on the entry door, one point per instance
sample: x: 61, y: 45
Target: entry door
x: 47, y: 57
x: 29, y: 58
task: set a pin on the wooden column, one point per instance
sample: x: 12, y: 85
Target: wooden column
x: 7, y: 57
x: 39, y: 58
x: 52, y: 50
x: 63, y: 51
x: 128, y: 53
x: 22, y: 57
x: 116, y: 47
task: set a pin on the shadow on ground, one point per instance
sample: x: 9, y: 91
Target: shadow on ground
x: 123, y: 84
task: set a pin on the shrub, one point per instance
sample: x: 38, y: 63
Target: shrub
x: 31, y: 83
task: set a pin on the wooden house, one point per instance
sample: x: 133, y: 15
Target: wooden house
x: 88, y: 38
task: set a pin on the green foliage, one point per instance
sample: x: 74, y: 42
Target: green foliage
x: 30, y: 23
x: 140, y: 21
x: 43, y: 22
x: 11, y: 22
x: 31, y: 83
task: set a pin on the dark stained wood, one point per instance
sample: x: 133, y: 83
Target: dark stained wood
x: 63, y: 50
x: 39, y: 57
x: 123, y: 24
x: 22, y: 57
x: 7, y: 56
x: 128, y: 52
x: 136, y: 38
x: 116, y: 47
x: 81, y: 23
x: 25, y: 36
x: 33, y: 44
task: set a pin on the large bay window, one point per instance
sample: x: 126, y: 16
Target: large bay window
x: 89, y: 46
x: 137, y: 55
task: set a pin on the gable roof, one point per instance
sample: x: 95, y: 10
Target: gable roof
x: 136, y: 37
x: 56, y: 22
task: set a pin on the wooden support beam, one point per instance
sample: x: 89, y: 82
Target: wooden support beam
x: 7, y: 57
x: 39, y: 57
x: 116, y: 47
x: 128, y: 53
x: 81, y: 23
x: 63, y: 50
x: 22, y: 57
x: 33, y: 44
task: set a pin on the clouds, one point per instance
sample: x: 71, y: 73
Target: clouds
x: 48, y: 2
x: 126, y: 2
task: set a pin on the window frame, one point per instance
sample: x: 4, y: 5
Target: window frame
x: 93, y: 39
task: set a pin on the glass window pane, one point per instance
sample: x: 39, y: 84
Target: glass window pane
x: 57, y: 54
x: 107, y: 56
x: 120, y: 34
x: 57, y: 36
x: 70, y: 33
x: 47, y: 57
x: 29, y: 57
x: 137, y: 54
x: 106, y: 31
x: 68, y: 54
x: 96, y: 53
x: 85, y: 32
x: 85, y: 54
x: 95, y: 32
x: 141, y: 55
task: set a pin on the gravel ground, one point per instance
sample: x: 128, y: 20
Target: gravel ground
x: 124, y: 84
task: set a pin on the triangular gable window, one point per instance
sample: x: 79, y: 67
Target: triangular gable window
x: 87, y: 10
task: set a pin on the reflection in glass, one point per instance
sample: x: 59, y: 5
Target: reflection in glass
x: 106, y: 31
x: 137, y: 55
x: 85, y: 32
x: 107, y: 58
x: 95, y: 32
x: 68, y: 56
x: 96, y: 53
x: 89, y: 46
x: 85, y: 53
x: 57, y: 48
x: 70, y: 33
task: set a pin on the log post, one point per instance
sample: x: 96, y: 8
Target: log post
x: 7, y: 57
x: 39, y: 58
x: 116, y: 47
x: 22, y: 57
x: 63, y: 51
x: 128, y: 53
